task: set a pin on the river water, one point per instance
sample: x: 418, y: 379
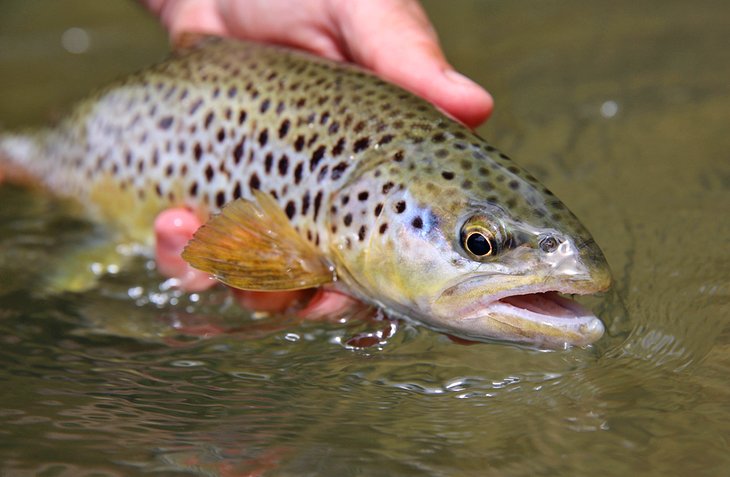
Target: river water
x: 622, y: 109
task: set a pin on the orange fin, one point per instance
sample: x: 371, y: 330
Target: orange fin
x: 251, y: 245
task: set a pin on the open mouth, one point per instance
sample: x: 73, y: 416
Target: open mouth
x: 551, y: 305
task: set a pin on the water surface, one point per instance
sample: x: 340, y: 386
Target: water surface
x: 622, y: 111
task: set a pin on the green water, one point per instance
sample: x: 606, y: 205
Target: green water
x: 622, y: 109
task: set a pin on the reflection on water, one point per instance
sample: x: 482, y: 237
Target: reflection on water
x: 622, y: 112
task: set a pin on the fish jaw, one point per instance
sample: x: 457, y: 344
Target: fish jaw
x: 530, y: 311
x: 545, y: 319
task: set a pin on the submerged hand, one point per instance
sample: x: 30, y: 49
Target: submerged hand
x: 173, y: 230
x: 393, y: 38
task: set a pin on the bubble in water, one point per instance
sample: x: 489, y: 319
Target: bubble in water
x: 76, y: 40
x: 609, y: 109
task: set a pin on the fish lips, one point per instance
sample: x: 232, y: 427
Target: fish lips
x: 529, y: 313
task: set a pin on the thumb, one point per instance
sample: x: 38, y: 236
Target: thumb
x: 395, y: 39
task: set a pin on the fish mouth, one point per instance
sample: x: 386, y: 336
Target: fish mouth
x: 538, y: 315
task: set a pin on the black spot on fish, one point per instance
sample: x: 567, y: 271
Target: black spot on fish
x: 299, y: 144
x: 263, y: 137
x: 158, y: 190
x: 317, y: 156
x: 241, y: 117
x: 324, y: 118
x: 417, y: 223
x: 298, y: 173
x: 254, y: 183
x: 347, y: 220
x: 361, y: 233
x: 322, y: 173
x: 383, y: 228
x: 361, y: 144
x: 283, y: 165
x: 387, y: 186
x: 514, y: 185
x: 237, y: 191
x: 312, y: 139
x: 268, y: 162
x: 220, y: 199
x: 221, y: 135
x: 363, y: 196
x: 448, y: 175
x: 284, y: 128
x: 398, y: 156
x: 193, y: 189
x: 378, y: 209
x: 334, y: 127
x: 338, y: 170
x: 232, y: 91
x: 165, y: 122
x: 359, y: 126
x: 305, y: 203
x: 317, y: 204
x: 339, y: 147
x: 513, y: 170
x: 196, y: 105
x: 209, y: 119
x: 169, y: 170
x: 385, y: 139
x: 238, y: 150
x: 209, y: 172
x: 466, y: 184
x: 400, y: 206
x: 265, y: 105
x: 345, y: 199
x: 438, y: 138
x: 290, y: 209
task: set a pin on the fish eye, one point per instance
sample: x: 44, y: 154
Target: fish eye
x: 481, y: 238
x: 548, y: 243
x: 479, y: 244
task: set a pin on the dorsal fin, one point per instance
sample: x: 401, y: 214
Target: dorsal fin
x: 251, y: 245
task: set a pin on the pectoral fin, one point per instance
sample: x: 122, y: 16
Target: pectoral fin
x: 251, y: 245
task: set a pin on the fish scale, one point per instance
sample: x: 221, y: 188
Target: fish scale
x: 362, y: 169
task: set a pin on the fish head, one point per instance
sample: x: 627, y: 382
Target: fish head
x: 490, y: 261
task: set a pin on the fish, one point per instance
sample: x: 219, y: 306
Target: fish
x: 309, y: 173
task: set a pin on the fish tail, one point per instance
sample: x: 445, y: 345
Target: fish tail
x: 19, y: 157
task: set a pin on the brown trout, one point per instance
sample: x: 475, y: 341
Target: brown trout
x: 311, y: 173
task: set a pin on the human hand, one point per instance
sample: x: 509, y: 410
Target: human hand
x: 392, y: 38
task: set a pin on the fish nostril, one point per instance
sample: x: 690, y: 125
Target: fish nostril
x: 548, y: 243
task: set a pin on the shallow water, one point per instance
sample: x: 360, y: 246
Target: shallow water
x: 622, y: 112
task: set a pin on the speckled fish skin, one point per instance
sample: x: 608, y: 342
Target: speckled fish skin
x: 379, y: 180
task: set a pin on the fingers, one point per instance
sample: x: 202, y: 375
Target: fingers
x: 395, y: 39
x: 273, y: 301
x: 188, y: 16
x: 173, y: 229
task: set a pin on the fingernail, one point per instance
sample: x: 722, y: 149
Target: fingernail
x: 457, y: 77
